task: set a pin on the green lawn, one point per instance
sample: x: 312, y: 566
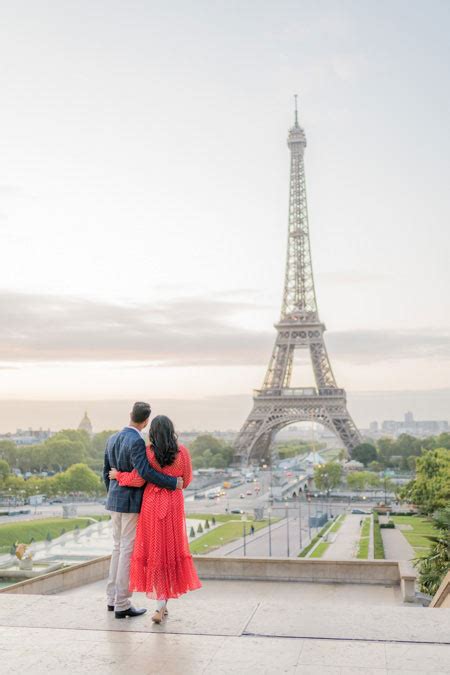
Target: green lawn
x: 219, y: 517
x: 363, y: 548
x: 417, y: 536
x: 23, y: 531
x: 325, y: 529
x: 378, y: 548
x: 224, y: 534
x: 320, y: 550
x: 337, y: 524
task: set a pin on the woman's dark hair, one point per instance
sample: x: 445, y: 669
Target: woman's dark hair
x: 163, y: 440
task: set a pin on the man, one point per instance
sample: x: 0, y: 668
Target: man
x: 126, y: 451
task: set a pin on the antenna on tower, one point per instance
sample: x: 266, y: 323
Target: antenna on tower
x: 296, y: 110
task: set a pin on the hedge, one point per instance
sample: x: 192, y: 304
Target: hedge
x: 378, y: 548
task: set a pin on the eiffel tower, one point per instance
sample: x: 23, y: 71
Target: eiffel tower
x: 277, y: 404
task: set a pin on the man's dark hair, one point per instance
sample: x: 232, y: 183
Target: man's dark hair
x: 141, y: 412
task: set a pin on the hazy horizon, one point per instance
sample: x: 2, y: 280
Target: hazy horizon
x: 144, y: 181
x: 213, y: 413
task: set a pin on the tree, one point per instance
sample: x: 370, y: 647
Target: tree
x: 386, y: 448
x: 210, y: 452
x: 4, y: 469
x: 357, y: 480
x: 8, y: 452
x: 75, y: 435
x: 98, y: 443
x: 372, y: 479
x: 63, y: 452
x: 328, y: 476
x: 343, y: 455
x: 365, y: 453
x: 411, y: 461
x: 436, y: 563
x: 205, y: 442
x: 78, y: 478
x: 430, y: 490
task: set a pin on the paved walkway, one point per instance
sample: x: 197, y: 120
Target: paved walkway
x: 396, y: 547
x: 227, y: 627
x: 345, y: 546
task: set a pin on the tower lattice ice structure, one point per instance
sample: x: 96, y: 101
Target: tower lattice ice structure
x: 277, y: 404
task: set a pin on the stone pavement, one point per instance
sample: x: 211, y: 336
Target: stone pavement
x: 228, y: 627
x: 396, y: 547
x: 345, y: 546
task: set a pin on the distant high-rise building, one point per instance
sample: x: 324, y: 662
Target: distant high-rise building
x: 86, y: 424
x: 409, y: 426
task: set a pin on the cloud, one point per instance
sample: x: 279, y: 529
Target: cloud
x: 190, y: 331
x: 365, y: 346
x: 184, y: 332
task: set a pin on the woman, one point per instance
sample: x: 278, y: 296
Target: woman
x: 161, y: 564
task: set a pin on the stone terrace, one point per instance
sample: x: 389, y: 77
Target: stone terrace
x: 228, y: 627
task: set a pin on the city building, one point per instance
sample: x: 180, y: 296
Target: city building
x: 86, y: 425
x: 408, y: 425
x: 27, y: 436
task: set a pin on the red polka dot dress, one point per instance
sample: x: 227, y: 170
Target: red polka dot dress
x: 161, y: 564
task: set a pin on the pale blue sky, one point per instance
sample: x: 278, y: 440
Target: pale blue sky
x: 144, y: 185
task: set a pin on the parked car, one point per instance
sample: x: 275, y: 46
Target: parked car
x: 249, y: 493
x: 240, y: 511
x: 361, y: 511
x: 242, y: 496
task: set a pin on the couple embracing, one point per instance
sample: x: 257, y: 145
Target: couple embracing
x: 145, y: 498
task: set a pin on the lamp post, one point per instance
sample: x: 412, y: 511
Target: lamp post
x: 270, y: 534
x: 325, y: 476
x: 309, y: 517
x: 245, y: 549
x: 300, y: 521
x: 287, y: 530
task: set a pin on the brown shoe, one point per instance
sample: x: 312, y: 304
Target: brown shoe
x: 158, y: 616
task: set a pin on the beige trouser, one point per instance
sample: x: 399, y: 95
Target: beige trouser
x: 124, y: 533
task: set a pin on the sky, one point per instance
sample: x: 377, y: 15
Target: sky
x: 144, y: 191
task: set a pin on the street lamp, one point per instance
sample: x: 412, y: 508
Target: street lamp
x: 287, y: 530
x: 300, y: 520
x: 270, y: 532
x: 309, y: 517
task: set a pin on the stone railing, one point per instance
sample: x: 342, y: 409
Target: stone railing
x: 381, y: 572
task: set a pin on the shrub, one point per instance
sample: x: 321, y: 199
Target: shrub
x: 213, y: 520
x: 192, y: 532
x: 378, y: 548
x: 199, y: 528
x: 206, y: 525
x: 435, y: 565
x: 387, y: 526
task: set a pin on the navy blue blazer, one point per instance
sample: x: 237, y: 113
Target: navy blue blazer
x: 126, y: 451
